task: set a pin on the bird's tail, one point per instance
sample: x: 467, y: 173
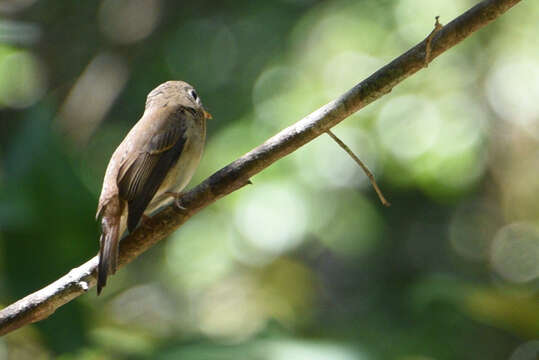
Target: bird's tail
x: 108, y: 249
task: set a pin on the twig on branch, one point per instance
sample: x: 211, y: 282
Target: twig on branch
x: 437, y: 27
x: 363, y: 166
x: 44, y: 302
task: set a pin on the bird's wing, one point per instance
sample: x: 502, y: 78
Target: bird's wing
x: 143, y: 172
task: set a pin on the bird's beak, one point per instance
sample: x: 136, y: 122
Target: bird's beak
x: 207, y: 115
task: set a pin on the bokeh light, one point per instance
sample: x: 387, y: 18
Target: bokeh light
x: 145, y: 307
x: 92, y: 96
x: 18, y: 33
x: 273, y: 218
x: 415, y: 18
x: 12, y: 6
x: 512, y: 88
x: 472, y: 229
x: 341, y: 69
x: 273, y: 97
x: 408, y: 126
x: 23, y: 78
x: 526, y: 351
x: 199, y: 254
x: 310, y: 350
x: 464, y: 125
x: 515, y: 251
x: 361, y: 215
x: 129, y: 21
x: 231, y: 311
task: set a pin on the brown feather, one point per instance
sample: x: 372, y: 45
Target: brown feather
x: 109, y: 241
x: 139, y: 183
x: 159, y: 154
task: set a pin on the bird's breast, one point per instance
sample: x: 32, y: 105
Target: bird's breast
x: 181, y: 173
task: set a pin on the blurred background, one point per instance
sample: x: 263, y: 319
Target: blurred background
x: 306, y: 263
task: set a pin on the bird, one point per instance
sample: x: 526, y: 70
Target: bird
x: 154, y: 162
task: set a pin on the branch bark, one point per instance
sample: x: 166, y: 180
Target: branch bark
x: 43, y: 303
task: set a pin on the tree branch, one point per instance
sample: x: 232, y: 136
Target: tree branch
x: 41, y: 304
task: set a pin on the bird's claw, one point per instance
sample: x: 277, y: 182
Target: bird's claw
x: 177, y: 199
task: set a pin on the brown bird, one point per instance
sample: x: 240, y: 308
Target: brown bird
x: 154, y: 162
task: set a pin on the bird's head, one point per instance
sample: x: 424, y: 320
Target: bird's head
x: 176, y: 94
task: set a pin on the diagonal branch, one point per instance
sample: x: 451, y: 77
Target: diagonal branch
x: 41, y: 304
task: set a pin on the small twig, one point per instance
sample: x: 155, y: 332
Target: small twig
x: 363, y: 166
x: 437, y: 27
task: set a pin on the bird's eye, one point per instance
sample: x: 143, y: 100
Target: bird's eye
x: 193, y: 94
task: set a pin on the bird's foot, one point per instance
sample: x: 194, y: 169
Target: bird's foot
x: 177, y: 198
